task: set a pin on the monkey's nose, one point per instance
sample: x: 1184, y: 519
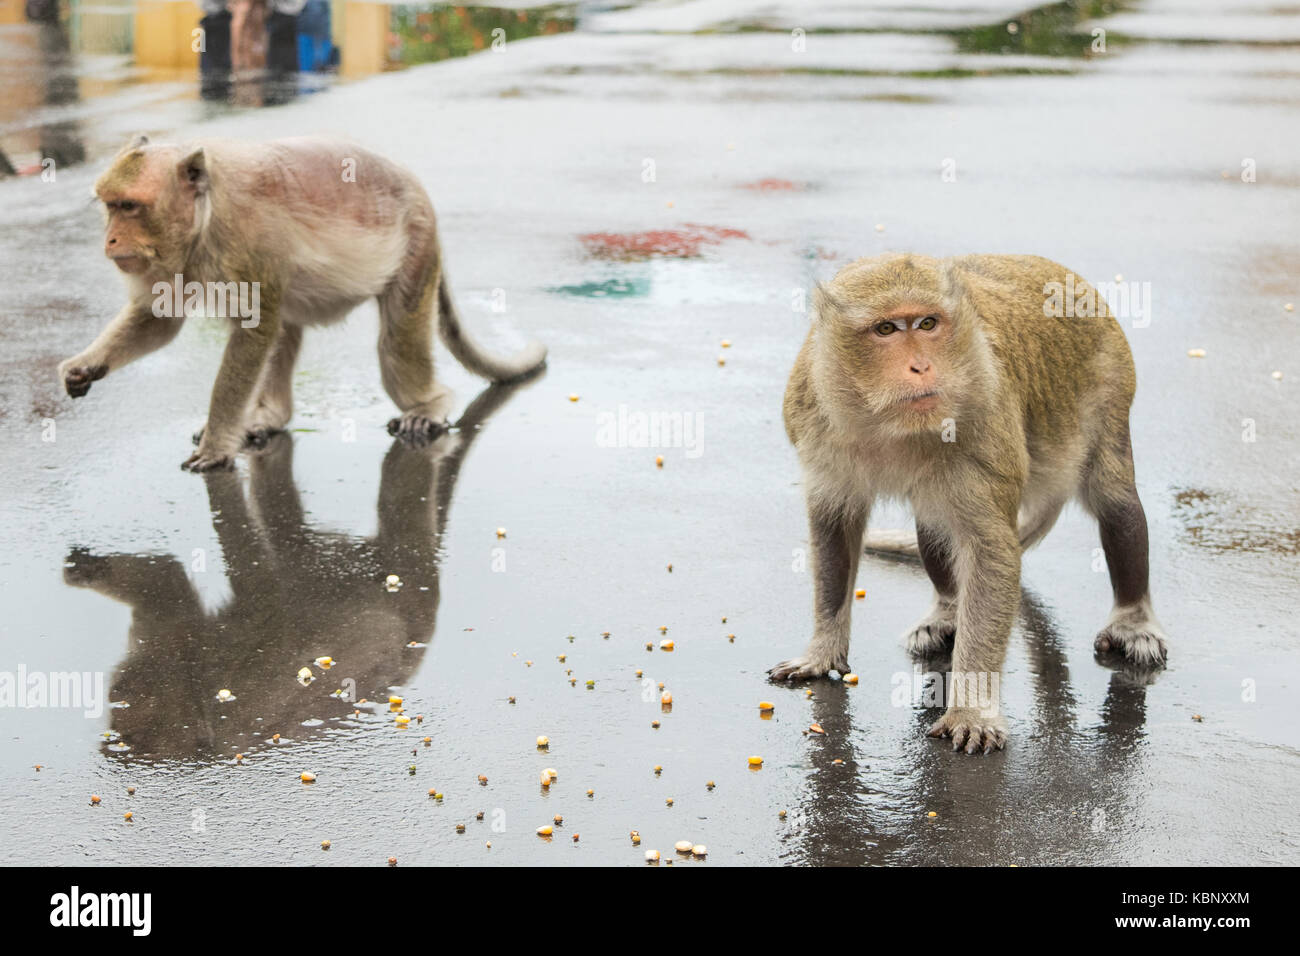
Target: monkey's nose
x: 920, y: 366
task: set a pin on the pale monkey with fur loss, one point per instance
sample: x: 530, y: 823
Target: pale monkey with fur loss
x: 319, y: 226
x: 943, y: 384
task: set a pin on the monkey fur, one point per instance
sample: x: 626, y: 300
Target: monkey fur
x: 944, y: 384
x: 316, y: 227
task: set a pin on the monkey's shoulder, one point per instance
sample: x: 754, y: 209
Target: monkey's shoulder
x: 799, y: 407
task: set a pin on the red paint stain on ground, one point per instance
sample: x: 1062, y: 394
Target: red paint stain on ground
x: 772, y: 186
x: 683, y: 243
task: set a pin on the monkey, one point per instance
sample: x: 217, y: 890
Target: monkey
x: 300, y: 231
x: 951, y: 385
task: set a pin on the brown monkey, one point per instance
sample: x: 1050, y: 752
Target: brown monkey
x: 298, y: 232
x: 946, y: 384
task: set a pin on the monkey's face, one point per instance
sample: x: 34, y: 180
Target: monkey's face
x: 897, y: 363
x: 148, y: 211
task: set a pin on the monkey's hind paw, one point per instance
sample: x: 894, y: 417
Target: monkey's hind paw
x: 1138, y: 638
x: 971, y: 730
x: 933, y: 635
x: 417, y: 429
x: 203, y: 461
x: 255, y: 437
x: 804, y: 668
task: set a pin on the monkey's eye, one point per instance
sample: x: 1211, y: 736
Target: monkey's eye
x: 928, y: 323
x: 124, y: 205
x: 886, y: 328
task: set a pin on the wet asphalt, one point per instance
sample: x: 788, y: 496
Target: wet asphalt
x: 771, y: 168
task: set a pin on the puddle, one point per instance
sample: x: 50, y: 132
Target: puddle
x: 1213, y: 521
x: 1051, y: 30
x: 131, y: 57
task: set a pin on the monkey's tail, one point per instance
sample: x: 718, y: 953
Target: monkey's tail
x: 471, y: 355
x: 899, y: 541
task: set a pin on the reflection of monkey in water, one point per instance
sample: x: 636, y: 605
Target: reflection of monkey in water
x: 315, y: 227
x: 943, y: 383
x: 297, y: 593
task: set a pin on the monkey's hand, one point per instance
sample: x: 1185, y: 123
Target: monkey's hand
x: 77, y: 376
x: 972, y: 728
x: 808, y: 667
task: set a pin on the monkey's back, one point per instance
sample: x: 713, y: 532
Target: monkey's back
x: 1063, y: 370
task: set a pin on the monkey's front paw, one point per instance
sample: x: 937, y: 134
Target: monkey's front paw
x: 208, y: 461
x: 971, y: 729
x: 807, y: 668
x: 1137, y: 636
x: 77, y: 378
x: 934, y: 634
x: 417, y: 429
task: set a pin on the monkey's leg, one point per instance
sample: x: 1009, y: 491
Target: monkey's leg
x: 406, y: 359
x: 934, y: 633
x: 987, y: 562
x: 1110, y: 493
x: 241, y: 369
x: 135, y: 331
x: 836, y: 544
x: 274, y: 406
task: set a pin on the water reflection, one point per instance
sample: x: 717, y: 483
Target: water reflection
x: 297, y: 593
x: 1060, y: 793
x: 47, y: 67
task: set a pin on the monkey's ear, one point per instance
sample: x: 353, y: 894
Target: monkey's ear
x: 824, y: 301
x: 193, y: 171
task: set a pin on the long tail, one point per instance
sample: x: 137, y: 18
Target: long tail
x: 903, y: 541
x: 898, y: 541
x: 471, y: 355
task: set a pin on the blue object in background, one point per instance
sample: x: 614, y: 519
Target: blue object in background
x: 315, y: 51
